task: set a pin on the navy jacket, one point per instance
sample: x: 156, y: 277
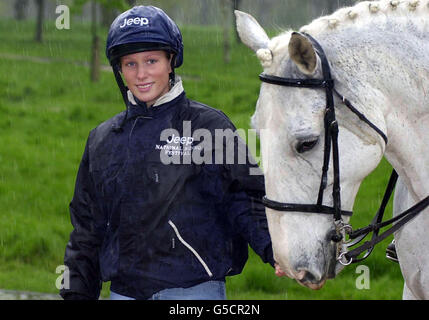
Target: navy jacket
x: 145, y: 225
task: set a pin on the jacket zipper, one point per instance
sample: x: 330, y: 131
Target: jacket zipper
x: 187, y: 245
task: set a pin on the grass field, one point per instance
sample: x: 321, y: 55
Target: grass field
x: 47, y: 109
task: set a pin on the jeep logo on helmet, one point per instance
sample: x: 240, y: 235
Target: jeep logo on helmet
x: 135, y: 22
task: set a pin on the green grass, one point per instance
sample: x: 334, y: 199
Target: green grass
x: 47, y: 111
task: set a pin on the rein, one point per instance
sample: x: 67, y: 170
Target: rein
x: 331, y: 143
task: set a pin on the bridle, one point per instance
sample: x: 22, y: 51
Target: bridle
x: 331, y: 143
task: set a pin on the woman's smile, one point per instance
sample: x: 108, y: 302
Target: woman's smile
x: 145, y: 87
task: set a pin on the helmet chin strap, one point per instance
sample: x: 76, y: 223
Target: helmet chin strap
x: 124, y: 89
x: 172, y: 74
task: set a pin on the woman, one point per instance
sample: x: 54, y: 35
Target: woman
x: 146, y: 215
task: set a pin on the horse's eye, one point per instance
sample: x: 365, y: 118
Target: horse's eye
x: 304, y: 146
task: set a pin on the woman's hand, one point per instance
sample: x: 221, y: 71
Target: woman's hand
x: 279, y: 272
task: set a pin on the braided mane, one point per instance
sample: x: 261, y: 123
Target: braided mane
x: 404, y: 12
x: 416, y: 11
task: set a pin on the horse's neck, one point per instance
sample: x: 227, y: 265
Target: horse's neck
x: 408, y: 151
x: 386, y: 75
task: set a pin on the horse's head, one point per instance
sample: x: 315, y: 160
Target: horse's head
x: 292, y: 133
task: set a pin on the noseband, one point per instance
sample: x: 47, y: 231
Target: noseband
x: 331, y: 143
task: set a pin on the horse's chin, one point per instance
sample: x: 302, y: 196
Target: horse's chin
x: 311, y: 285
x: 320, y: 284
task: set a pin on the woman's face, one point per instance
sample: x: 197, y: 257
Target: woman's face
x: 147, y: 74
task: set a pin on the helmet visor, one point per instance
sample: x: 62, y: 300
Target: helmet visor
x: 130, y: 48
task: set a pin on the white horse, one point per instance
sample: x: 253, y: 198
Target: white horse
x: 379, y: 58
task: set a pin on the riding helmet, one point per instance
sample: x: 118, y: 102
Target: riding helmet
x: 144, y: 28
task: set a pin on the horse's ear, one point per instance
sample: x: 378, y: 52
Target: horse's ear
x: 250, y: 32
x: 301, y: 52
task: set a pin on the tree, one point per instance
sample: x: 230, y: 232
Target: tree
x: 226, y: 28
x: 39, y: 25
x: 95, y: 47
x: 95, y: 51
x: 227, y: 8
x: 235, y: 6
x: 20, y: 6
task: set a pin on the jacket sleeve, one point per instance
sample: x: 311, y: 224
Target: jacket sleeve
x: 81, y: 254
x: 244, y: 199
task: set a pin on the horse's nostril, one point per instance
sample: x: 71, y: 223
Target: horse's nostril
x: 309, y: 277
x: 304, y: 275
